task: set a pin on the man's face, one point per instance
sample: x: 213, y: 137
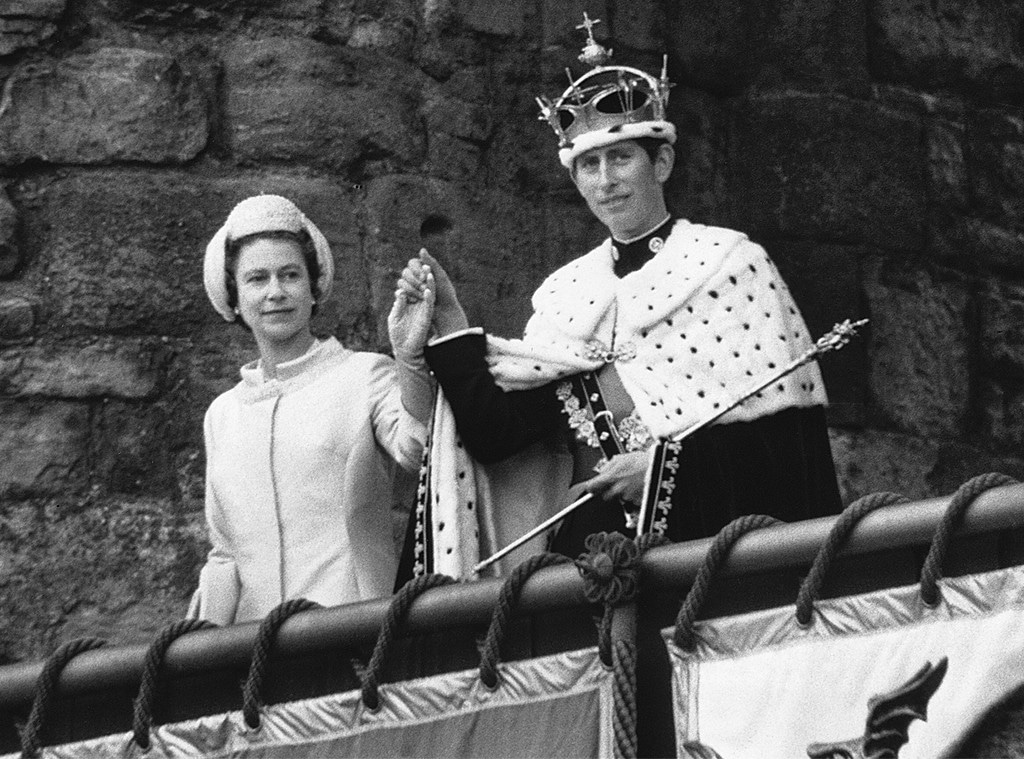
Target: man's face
x: 623, y: 187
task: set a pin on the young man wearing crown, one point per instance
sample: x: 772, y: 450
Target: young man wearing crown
x: 663, y: 325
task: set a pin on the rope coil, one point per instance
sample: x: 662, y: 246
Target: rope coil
x: 964, y: 496
x: 142, y: 713
x: 611, y: 576
x: 725, y: 539
x: 490, y: 650
x: 810, y: 588
x: 252, y: 690
x: 624, y: 658
x: 46, y: 688
x: 390, y: 629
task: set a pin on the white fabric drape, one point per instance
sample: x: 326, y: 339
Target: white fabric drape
x: 758, y: 685
x: 559, y: 705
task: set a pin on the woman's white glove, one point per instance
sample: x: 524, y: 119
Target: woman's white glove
x: 423, y: 278
x: 410, y: 321
x: 409, y: 325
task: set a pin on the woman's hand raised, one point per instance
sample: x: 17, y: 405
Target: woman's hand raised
x: 410, y: 320
x: 424, y: 274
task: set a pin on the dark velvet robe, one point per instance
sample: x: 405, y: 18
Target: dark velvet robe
x: 780, y: 465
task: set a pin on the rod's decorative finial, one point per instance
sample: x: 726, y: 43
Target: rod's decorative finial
x: 593, y: 53
x: 838, y: 336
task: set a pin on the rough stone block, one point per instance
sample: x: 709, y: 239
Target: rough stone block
x: 976, y: 214
x: 502, y: 19
x: 522, y: 155
x: 729, y: 45
x: 1001, y: 379
x: 697, y: 188
x: 871, y: 461
x: 132, y: 450
x: 119, y: 367
x: 947, y: 168
x: 966, y: 241
x: 972, y: 46
x: 93, y: 567
x: 1002, y: 411
x: 386, y: 35
x: 10, y: 255
x: 204, y: 366
x: 1002, y: 331
x: 26, y: 23
x: 17, y: 317
x: 561, y: 17
x: 830, y: 168
x: 117, y: 104
x: 492, y: 244
x: 920, y: 368
x: 124, y: 249
x: 43, y: 447
x: 825, y: 283
x: 305, y: 102
x: 640, y: 25
x: 959, y: 462
x: 996, y: 167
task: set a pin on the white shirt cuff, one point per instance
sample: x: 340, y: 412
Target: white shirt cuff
x: 459, y: 333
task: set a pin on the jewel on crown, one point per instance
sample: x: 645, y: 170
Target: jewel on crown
x: 606, y: 97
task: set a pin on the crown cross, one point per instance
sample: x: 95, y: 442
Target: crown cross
x: 593, y: 53
x: 589, y: 25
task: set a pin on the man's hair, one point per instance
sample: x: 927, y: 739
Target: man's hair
x: 300, y: 238
x: 650, y: 145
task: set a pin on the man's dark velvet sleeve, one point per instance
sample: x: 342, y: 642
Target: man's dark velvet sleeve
x: 493, y: 423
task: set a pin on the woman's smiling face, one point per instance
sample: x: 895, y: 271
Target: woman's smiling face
x: 275, y: 295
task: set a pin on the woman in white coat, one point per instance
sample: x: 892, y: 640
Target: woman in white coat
x: 301, y: 454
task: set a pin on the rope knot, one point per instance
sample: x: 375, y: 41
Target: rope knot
x: 610, y: 568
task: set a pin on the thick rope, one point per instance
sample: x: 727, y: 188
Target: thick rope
x: 931, y: 572
x: 390, y: 629
x: 624, y: 697
x: 490, y: 651
x: 46, y: 687
x: 717, y: 553
x: 142, y: 718
x: 252, y: 689
x: 611, y: 575
x: 837, y: 536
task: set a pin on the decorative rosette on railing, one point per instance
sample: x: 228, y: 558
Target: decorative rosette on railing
x: 610, y: 568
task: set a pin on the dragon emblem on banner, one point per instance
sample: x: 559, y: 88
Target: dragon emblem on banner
x: 889, y: 718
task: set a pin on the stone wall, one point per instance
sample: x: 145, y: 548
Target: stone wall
x: 876, y: 149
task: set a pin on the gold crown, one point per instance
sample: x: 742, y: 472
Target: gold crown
x: 606, y: 97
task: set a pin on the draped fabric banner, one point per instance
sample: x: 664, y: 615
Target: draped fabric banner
x: 875, y: 670
x: 558, y: 705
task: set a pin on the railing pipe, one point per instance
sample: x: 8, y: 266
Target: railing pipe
x: 668, y: 567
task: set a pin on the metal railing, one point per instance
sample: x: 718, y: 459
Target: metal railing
x: 202, y: 668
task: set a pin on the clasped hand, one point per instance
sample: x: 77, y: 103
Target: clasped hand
x: 425, y: 303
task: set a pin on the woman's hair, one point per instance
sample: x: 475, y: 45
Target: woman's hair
x: 300, y: 238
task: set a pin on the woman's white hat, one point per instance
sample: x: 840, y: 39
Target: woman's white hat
x: 260, y: 213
